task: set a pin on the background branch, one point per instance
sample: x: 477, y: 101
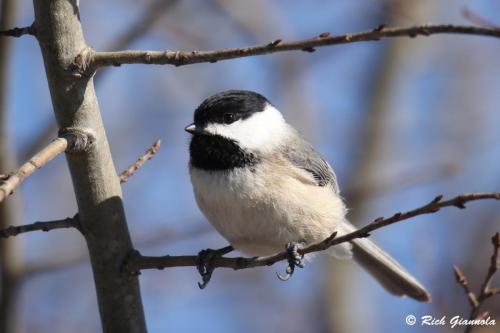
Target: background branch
x: 140, y: 161
x: 15, y: 179
x: 71, y: 139
x: 73, y: 222
x: 69, y: 222
x: 92, y: 60
x: 18, y: 32
x: 485, y: 291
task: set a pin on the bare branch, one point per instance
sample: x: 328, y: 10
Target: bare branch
x: 137, y: 262
x: 485, y: 291
x: 15, y: 179
x: 462, y: 280
x: 140, y: 161
x: 69, y: 222
x: 71, y: 140
x: 94, y: 60
x: 53, y: 149
x: 18, y: 32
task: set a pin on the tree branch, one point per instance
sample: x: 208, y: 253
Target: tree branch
x: 69, y: 222
x: 462, y: 281
x: 87, y: 62
x: 485, y: 291
x: 137, y: 262
x: 140, y: 161
x: 71, y: 140
x: 18, y: 32
x: 15, y: 179
x: 72, y: 222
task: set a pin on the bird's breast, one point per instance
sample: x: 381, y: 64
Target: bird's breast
x: 258, y: 210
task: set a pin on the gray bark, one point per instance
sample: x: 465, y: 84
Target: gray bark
x: 95, y: 182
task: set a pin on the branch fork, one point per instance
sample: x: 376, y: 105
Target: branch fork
x: 81, y: 66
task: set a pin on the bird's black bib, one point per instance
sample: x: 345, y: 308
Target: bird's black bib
x: 214, y: 152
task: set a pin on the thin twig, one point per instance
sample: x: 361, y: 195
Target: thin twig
x: 18, y: 32
x: 485, y: 291
x: 53, y: 149
x: 462, y: 280
x: 69, y: 222
x: 140, y: 161
x: 137, y: 262
x: 94, y: 60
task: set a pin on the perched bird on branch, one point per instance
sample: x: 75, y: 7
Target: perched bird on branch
x: 264, y: 188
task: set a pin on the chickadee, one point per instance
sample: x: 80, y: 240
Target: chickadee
x: 262, y: 186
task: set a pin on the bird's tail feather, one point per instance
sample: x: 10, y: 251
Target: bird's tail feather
x: 385, y: 269
x: 391, y: 275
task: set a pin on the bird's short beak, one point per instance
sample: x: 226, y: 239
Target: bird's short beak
x: 191, y: 129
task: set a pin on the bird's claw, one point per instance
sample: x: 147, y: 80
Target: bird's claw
x: 294, y: 258
x: 204, y: 263
x: 204, y: 266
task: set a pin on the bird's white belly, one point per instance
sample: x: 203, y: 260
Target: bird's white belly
x: 259, y: 215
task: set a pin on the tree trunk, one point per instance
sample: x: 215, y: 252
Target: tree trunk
x: 95, y: 182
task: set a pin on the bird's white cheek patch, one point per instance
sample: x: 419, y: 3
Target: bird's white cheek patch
x: 261, y: 131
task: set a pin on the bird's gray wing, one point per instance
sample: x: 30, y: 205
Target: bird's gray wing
x: 301, y: 154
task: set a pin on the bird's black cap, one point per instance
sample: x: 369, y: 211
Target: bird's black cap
x: 241, y: 103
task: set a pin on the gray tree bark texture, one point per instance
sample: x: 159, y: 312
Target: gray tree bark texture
x: 94, y: 177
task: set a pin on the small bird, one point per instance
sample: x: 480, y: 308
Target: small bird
x: 266, y: 189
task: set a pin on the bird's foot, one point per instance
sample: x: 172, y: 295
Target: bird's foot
x: 204, y: 263
x: 294, y: 258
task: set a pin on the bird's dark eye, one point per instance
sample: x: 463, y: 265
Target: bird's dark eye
x: 229, y: 118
